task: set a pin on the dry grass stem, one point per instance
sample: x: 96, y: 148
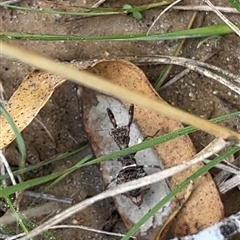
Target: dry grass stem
x: 1, y: 91
x: 10, y: 2
x: 3, y: 172
x: 184, y: 72
x: 224, y: 167
x: 165, y: 10
x: 222, y: 178
x: 214, y: 147
x: 191, y: 64
x: 98, y: 3
x: 76, y: 227
x: 230, y: 184
x: 9, y: 170
x: 89, y: 229
x: 2, y: 100
x: 36, y: 211
x: 196, y: 66
x: 206, y: 8
x: 16, y: 236
x: 99, y: 84
x: 46, y: 130
x: 229, y: 23
x: 4, y: 236
x: 49, y: 197
x: 95, y: 5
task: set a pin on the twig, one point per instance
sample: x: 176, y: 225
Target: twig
x: 95, y: 5
x: 185, y: 72
x: 1, y: 91
x: 98, y: 3
x: 46, y: 130
x: 16, y: 236
x: 212, y: 148
x: 220, y: 179
x: 3, y: 172
x: 10, y: 2
x: 3, y: 102
x: 229, y: 184
x: 102, y: 85
x: 165, y: 10
x: 224, y: 167
x: 89, y: 229
x: 229, y: 169
x: 36, y: 211
x: 193, y: 65
x: 2, y: 167
x: 165, y: 72
x: 6, y: 164
x: 185, y: 62
x: 229, y: 23
x: 205, y: 8
x: 47, y: 197
x: 74, y: 226
x: 4, y: 236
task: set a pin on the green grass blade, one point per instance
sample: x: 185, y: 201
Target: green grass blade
x: 167, y: 69
x: 146, y: 144
x: 207, y: 39
x: 37, y: 181
x: 30, y: 183
x: 140, y: 8
x: 93, y: 11
x: 19, y: 139
x: 15, y: 212
x: 235, y: 3
x: 32, y: 224
x: 69, y: 171
x: 44, y: 163
x: 178, y: 189
x: 157, y: 140
x: 208, y: 31
x: 55, y: 12
x: 6, y: 230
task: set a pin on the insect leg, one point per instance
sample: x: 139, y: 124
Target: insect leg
x: 130, y: 113
x: 149, y: 166
x: 111, y: 117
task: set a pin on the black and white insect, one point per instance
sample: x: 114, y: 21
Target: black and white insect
x: 130, y: 169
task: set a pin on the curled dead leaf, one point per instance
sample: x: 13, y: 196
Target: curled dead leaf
x: 32, y: 94
x: 204, y: 206
x: 202, y: 209
x: 27, y: 101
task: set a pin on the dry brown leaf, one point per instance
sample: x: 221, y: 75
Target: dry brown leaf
x: 202, y: 209
x: 33, y: 93
x: 27, y: 101
x: 205, y: 206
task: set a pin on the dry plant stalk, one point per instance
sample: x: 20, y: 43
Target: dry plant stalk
x: 101, y: 85
x: 228, y: 22
x: 214, y: 147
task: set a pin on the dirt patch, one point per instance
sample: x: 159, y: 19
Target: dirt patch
x: 62, y: 115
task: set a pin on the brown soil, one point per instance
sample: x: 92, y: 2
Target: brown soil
x: 61, y: 114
